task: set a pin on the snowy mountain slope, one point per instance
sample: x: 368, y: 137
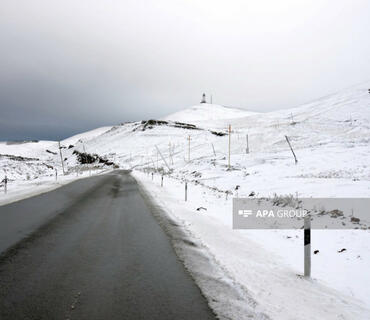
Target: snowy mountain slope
x: 31, y: 149
x: 85, y: 135
x: 330, y: 138
x: 207, y: 112
x: 338, y: 123
x: 30, y: 160
x: 26, y: 160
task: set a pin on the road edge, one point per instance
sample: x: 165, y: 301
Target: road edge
x: 226, y: 298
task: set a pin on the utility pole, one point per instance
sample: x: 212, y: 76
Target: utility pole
x: 61, y: 157
x: 229, y: 145
x: 164, y: 160
x: 189, y: 149
x: 290, y: 146
x: 157, y: 159
x: 247, y: 145
x: 170, y: 152
x: 152, y: 162
x: 214, y: 151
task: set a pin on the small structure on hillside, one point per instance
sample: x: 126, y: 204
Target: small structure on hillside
x: 203, y: 98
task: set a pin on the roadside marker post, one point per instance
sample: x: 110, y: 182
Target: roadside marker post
x: 307, y: 246
x: 56, y: 174
x: 5, y: 184
x: 152, y: 176
x: 186, y: 191
x: 162, y: 181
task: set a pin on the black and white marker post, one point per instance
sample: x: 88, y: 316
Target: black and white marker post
x: 307, y: 246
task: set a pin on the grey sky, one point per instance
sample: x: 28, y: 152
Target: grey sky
x: 68, y: 66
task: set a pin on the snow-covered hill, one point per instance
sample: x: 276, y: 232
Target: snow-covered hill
x: 328, y: 127
x: 207, y: 112
x: 88, y: 135
x: 31, y: 149
x: 330, y: 136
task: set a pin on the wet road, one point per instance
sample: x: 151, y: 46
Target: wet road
x: 101, y: 255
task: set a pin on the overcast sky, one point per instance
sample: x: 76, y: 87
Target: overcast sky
x: 72, y: 65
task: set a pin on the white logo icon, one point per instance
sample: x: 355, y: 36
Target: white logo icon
x: 245, y: 213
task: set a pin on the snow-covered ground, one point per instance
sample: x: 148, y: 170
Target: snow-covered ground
x: 19, y: 189
x: 268, y: 264
x: 331, y: 139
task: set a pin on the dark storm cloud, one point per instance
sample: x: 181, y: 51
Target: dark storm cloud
x: 68, y: 66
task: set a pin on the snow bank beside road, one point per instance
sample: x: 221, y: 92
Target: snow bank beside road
x: 266, y: 276
x: 228, y: 299
x: 20, y: 190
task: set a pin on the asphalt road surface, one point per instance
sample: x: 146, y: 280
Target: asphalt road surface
x: 92, y: 250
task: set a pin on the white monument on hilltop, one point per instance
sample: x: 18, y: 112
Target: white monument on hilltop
x: 203, y: 98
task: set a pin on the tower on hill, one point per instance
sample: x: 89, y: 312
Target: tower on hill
x: 203, y: 98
